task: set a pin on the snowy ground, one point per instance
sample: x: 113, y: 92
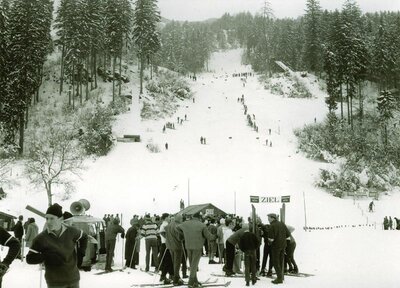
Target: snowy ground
x: 131, y: 180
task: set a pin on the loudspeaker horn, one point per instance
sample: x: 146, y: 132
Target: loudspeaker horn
x: 79, y: 207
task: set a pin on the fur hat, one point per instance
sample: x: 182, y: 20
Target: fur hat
x: 55, y: 210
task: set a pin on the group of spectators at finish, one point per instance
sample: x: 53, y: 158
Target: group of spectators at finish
x: 172, y: 240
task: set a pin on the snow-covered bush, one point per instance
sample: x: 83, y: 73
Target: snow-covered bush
x: 119, y: 105
x: 369, y: 164
x: 153, y: 148
x: 96, y: 134
x: 163, y: 93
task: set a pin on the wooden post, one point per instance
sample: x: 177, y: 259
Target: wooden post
x: 282, y: 210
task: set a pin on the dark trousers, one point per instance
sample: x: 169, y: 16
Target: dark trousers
x: 250, y: 258
x: 151, y: 244
x: 165, y: 261
x: 110, y: 247
x: 230, y: 255
x: 277, y: 261
x: 184, y: 263
x: 267, y: 252
x: 73, y: 285
x: 289, y: 256
x: 221, y: 252
x: 176, y: 261
x: 194, y: 259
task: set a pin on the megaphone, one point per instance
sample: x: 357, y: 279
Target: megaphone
x: 79, y: 207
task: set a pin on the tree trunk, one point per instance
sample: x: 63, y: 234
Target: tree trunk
x: 49, y: 195
x: 348, y: 102
x: 141, y: 74
x: 361, y: 103
x: 21, y: 133
x: 87, y: 78
x: 73, y: 85
x: 120, y: 75
x: 95, y: 69
x: 113, y: 74
x: 62, y: 69
x: 341, y: 101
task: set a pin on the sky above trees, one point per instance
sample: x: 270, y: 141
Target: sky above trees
x: 197, y: 10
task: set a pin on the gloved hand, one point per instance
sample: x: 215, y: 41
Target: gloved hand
x: 53, y: 258
x: 3, y: 269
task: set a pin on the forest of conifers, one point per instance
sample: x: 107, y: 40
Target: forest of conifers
x: 344, y: 47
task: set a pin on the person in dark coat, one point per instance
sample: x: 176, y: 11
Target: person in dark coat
x: 19, y: 232
x: 266, y: 252
x: 131, y: 254
x: 290, y: 264
x: 249, y: 243
x: 14, y: 248
x: 277, y: 237
x: 230, y: 244
x: 194, y: 232
x: 111, y: 237
x: 175, y: 245
x: 59, y: 247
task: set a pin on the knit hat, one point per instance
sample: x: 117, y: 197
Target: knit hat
x: 273, y: 215
x: 55, y: 210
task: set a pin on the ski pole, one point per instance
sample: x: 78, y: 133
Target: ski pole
x: 159, y: 265
x: 133, y: 253
x: 41, y: 272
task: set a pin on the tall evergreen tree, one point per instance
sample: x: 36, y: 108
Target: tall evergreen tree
x: 145, y: 34
x: 29, y: 26
x: 312, y: 45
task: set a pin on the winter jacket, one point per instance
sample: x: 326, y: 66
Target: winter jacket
x: 172, y: 235
x: 113, y: 230
x: 31, y: 232
x: 58, y: 254
x: 8, y: 240
x: 278, y: 232
x: 149, y: 230
x: 235, y: 237
x: 195, y: 233
x: 248, y: 241
x: 18, y: 230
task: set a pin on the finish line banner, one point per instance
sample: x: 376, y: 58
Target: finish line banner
x: 272, y: 199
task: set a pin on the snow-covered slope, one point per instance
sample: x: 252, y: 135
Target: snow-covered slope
x: 131, y: 180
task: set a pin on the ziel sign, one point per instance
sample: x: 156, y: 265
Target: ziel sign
x: 274, y: 199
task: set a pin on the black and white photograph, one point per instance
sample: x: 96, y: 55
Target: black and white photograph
x: 199, y: 143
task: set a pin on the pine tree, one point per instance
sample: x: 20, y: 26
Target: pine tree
x: 145, y: 34
x: 386, y: 106
x: 29, y: 26
x: 312, y: 47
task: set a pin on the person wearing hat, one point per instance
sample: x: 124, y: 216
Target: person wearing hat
x: 194, y: 232
x: 14, y: 248
x: 277, y: 235
x: 55, y: 246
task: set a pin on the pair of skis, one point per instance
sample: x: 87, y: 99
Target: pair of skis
x: 207, y: 283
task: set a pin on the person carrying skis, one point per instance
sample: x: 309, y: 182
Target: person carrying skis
x: 56, y: 247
